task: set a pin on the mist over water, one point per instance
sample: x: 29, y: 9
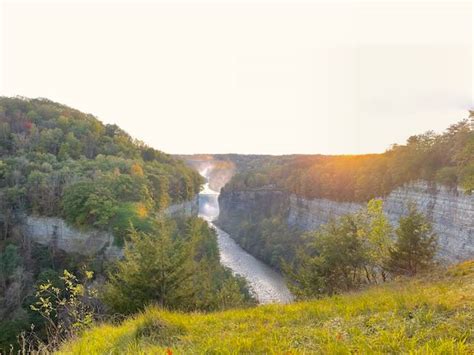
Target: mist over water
x: 267, y: 285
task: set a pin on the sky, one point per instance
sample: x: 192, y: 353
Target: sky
x: 269, y: 77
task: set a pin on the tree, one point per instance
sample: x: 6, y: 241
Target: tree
x: 467, y: 179
x: 159, y: 189
x: 89, y: 203
x: 230, y: 294
x: 415, y: 246
x: 343, y: 254
x: 50, y: 140
x: 71, y: 148
x: 9, y: 261
x: 377, y: 232
x: 127, y: 216
x: 155, y: 269
x: 333, y: 259
x: 11, y: 203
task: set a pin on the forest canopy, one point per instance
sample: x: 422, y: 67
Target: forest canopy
x: 446, y: 158
x: 57, y: 161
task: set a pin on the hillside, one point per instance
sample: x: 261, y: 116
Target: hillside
x: 93, y: 179
x: 58, y: 161
x: 430, y: 314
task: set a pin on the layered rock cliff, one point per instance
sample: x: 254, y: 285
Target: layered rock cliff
x: 56, y: 232
x: 184, y: 209
x: 450, y: 211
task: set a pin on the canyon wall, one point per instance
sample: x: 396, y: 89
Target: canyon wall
x: 184, y: 209
x: 56, y: 232
x: 450, y: 211
x: 249, y: 205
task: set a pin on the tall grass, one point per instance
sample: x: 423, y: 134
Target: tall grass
x: 433, y: 314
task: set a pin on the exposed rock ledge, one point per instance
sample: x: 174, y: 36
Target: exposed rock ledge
x: 186, y: 209
x: 55, y: 231
x: 451, y: 212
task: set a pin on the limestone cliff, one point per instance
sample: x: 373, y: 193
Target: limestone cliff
x: 56, y: 232
x: 184, y: 209
x: 254, y: 205
x: 451, y: 212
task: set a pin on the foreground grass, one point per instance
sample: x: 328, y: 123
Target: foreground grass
x: 425, y: 315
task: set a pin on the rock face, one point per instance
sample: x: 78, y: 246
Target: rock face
x: 450, y: 211
x: 184, y: 209
x: 255, y: 205
x: 56, y: 232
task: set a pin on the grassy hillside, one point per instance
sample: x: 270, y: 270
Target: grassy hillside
x: 430, y: 314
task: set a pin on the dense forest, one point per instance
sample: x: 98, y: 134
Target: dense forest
x: 446, y: 158
x: 57, y: 161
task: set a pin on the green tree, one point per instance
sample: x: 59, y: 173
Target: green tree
x: 71, y: 148
x: 230, y: 294
x: 332, y: 260
x: 50, y: 140
x: 89, y: 203
x: 415, y: 246
x: 377, y: 232
x: 467, y: 179
x: 9, y: 261
x: 343, y: 254
x: 12, y: 201
x: 127, y: 219
x: 155, y: 269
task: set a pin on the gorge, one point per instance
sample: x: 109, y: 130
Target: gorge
x: 267, y: 285
x: 84, y: 200
x: 450, y: 209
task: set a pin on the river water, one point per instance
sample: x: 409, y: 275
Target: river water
x: 267, y: 285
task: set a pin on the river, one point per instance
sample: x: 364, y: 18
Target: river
x: 267, y: 285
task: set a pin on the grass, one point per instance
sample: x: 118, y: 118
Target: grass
x: 427, y: 315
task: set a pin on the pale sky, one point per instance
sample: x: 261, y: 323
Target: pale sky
x: 275, y: 77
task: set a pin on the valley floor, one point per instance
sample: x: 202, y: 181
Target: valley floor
x: 430, y: 314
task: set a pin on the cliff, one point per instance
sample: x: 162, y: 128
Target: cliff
x: 56, y: 232
x: 249, y: 205
x: 184, y: 209
x: 451, y: 212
